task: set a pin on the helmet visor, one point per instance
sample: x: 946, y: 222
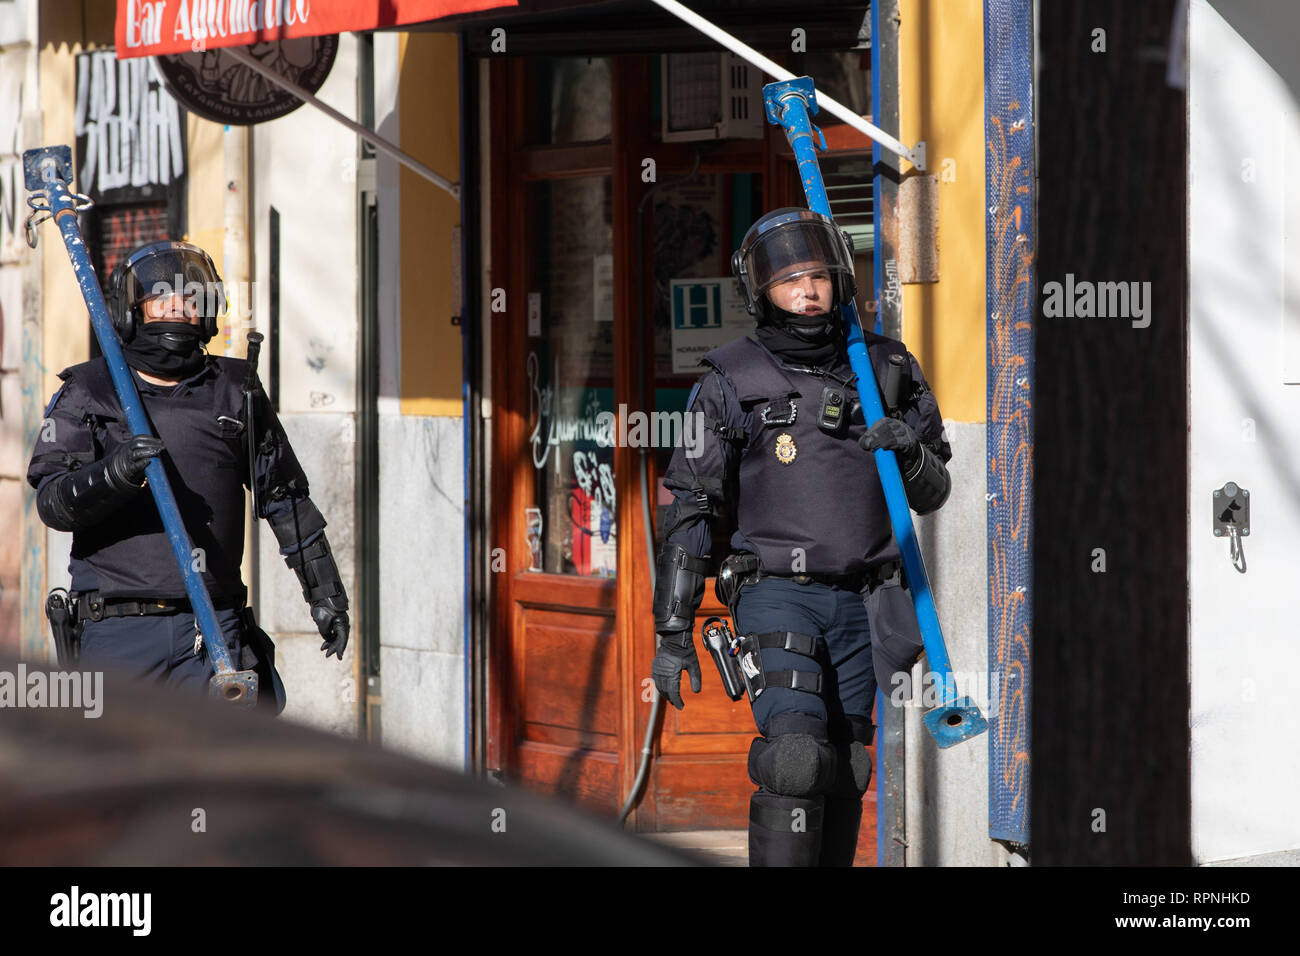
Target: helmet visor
x: 792, y: 250
x: 180, y: 272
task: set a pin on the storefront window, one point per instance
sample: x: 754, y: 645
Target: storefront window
x: 570, y: 375
x: 572, y: 100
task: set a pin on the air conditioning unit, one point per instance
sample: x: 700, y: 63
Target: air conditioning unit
x: 710, y: 96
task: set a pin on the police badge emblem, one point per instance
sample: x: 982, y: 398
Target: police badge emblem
x: 785, y: 450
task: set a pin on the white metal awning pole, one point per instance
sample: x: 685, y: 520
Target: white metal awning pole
x: 915, y: 157
x: 406, y: 159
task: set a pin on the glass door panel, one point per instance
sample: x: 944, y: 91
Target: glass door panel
x: 570, y: 370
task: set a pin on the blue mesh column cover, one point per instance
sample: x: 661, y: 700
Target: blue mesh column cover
x: 1012, y: 303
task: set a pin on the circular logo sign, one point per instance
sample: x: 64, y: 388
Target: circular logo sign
x: 215, y: 86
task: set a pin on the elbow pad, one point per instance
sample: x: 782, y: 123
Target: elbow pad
x: 679, y: 588
x: 927, y: 482
x: 297, y: 525
x: 83, y: 498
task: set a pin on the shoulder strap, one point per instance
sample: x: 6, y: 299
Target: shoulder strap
x: 93, y: 388
x: 751, y: 369
x: 230, y: 376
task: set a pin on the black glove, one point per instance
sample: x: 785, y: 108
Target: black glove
x: 333, y: 624
x: 676, y: 653
x: 322, y: 589
x: 127, y: 464
x: 82, y: 498
x: 892, y: 434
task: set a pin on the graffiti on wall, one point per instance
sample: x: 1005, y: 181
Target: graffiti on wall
x: 130, y: 132
x: 576, y: 496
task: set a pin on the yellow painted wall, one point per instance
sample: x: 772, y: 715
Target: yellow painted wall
x: 429, y: 129
x: 206, y: 198
x: 941, y: 100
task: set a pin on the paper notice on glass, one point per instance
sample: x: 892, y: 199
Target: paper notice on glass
x: 604, y: 544
x: 707, y: 313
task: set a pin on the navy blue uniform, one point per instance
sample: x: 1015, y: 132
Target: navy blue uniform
x: 810, y: 505
x: 127, y: 555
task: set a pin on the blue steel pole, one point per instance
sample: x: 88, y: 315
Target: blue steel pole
x: 47, y: 172
x: 788, y: 105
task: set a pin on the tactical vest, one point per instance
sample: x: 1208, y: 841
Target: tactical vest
x: 801, y: 487
x: 128, y: 554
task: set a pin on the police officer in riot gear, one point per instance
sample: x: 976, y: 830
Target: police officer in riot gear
x: 814, y: 578
x: 89, y: 472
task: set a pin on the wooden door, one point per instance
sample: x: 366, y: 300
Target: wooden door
x: 555, y: 718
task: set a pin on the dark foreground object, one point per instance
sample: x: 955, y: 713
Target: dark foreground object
x: 130, y: 787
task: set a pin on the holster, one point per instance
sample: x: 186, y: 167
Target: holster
x: 65, y: 626
x: 258, y: 655
x: 738, y: 569
x: 719, y: 640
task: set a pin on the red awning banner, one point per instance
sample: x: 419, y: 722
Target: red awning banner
x: 149, y: 27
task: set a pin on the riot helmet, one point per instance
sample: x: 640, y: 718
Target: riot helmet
x: 784, y: 245
x: 163, y: 268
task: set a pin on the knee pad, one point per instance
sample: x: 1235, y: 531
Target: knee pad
x: 852, y: 737
x: 795, y: 759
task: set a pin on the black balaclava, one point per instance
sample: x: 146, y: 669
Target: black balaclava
x: 798, y: 337
x: 165, y: 349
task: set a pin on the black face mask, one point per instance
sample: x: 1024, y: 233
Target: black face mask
x: 166, y: 349
x: 793, y: 336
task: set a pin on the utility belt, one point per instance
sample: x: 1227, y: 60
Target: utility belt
x: 739, y: 659
x: 69, y: 612
x: 92, y: 606
x: 891, y: 572
x: 868, y: 580
x: 742, y: 568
